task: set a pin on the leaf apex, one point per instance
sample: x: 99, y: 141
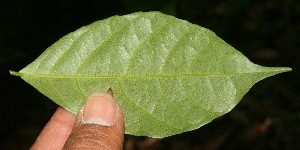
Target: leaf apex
x: 283, y: 69
x: 287, y: 69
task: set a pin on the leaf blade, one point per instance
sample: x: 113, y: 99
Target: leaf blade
x: 169, y: 76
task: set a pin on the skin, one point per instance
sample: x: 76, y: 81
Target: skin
x: 66, y: 131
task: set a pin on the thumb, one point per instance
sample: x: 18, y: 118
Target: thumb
x: 99, y: 125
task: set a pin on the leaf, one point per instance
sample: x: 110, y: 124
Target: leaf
x: 168, y: 75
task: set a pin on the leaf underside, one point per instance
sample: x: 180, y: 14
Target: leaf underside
x: 168, y: 75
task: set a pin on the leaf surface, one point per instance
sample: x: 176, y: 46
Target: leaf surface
x: 168, y: 75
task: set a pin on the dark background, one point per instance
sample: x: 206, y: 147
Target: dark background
x: 266, y: 31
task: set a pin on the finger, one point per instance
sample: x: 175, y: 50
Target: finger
x: 56, y: 132
x: 99, y: 126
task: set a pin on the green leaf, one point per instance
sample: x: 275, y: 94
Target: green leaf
x: 168, y: 75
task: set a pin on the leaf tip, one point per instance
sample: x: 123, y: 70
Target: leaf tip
x: 277, y: 70
x: 284, y: 69
x: 288, y: 69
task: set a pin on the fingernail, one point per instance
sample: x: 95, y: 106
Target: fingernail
x: 100, y: 109
x: 110, y: 92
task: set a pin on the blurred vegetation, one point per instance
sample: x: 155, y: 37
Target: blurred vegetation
x: 266, y: 31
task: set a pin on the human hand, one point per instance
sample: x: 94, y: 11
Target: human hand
x: 99, y: 125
